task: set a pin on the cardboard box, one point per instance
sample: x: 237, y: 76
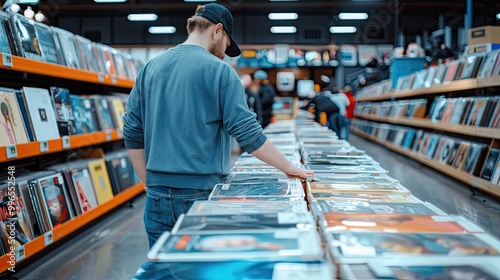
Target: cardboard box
x: 484, y: 34
x: 481, y: 48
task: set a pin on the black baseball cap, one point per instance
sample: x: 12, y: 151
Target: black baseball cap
x: 217, y: 13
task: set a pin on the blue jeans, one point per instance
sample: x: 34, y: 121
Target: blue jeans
x: 163, y: 207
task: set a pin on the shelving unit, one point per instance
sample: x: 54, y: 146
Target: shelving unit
x: 476, y: 131
x: 467, y: 178
x: 83, y: 80
x: 460, y: 85
x: 42, y: 242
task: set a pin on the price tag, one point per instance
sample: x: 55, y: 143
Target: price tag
x: 7, y: 60
x: 100, y: 77
x: 44, y: 146
x: 48, y: 237
x: 11, y: 151
x: 113, y: 80
x: 108, y: 135
x: 20, y: 253
x: 65, y: 142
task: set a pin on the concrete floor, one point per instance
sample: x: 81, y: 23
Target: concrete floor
x: 116, y: 246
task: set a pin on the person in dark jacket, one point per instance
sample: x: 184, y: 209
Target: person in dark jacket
x: 260, y: 97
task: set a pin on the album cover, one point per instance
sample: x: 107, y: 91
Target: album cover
x: 243, y: 222
x: 458, y: 110
x: 209, y: 207
x: 117, y: 111
x: 27, y: 42
x: 429, y: 79
x: 495, y: 120
x: 474, y: 156
x: 66, y: 41
x: 121, y: 172
x: 107, y: 58
x: 357, y: 207
x: 235, y: 270
x: 282, y: 190
x: 440, y: 147
x: 41, y: 113
x: 85, y: 49
x: 488, y: 64
x: 14, y: 217
x: 46, y: 43
x: 495, y: 177
x: 282, y: 245
x: 340, y: 222
x: 471, y: 65
x: 419, y: 80
x: 64, y: 111
x: 453, y: 71
x: 119, y: 63
x: 453, y: 152
x: 104, y: 114
x: 55, y: 199
x: 462, y: 153
x: 477, y: 111
x: 5, y: 45
x: 496, y: 68
x: 437, y: 108
x: 408, y: 138
x: 353, y: 178
x: 357, y: 187
x: 426, y: 139
x: 440, y: 74
x: 469, y: 103
x: 11, y: 120
x: 490, y: 164
x: 36, y: 198
x: 256, y: 178
x: 82, y: 181
x: 359, y: 247
x: 417, y: 141
x: 362, y: 197
x: 432, y: 145
x: 84, y: 113
x: 100, y: 180
x: 448, y: 110
x: 424, y: 268
x: 342, y: 161
x: 488, y: 112
x: 368, y: 169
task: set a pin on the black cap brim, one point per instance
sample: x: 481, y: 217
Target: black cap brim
x: 233, y: 49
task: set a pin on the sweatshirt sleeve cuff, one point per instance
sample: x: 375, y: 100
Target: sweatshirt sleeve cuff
x: 255, y: 145
x: 133, y: 144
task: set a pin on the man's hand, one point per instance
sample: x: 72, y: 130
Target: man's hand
x: 295, y: 172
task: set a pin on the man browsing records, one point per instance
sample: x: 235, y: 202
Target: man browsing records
x: 185, y: 105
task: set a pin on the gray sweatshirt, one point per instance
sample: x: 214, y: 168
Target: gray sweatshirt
x: 183, y: 108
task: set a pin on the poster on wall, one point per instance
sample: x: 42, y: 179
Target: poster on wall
x: 348, y: 55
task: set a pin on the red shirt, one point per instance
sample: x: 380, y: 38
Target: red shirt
x: 352, y: 105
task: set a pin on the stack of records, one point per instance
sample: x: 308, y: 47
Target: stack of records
x: 288, y: 190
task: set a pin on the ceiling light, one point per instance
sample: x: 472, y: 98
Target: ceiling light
x: 142, y: 17
x: 110, y: 1
x: 353, y: 16
x: 29, y: 13
x: 343, y: 29
x: 498, y: 16
x: 39, y: 16
x: 283, y: 29
x: 162, y: 29
x: 200, y: 0
x: 283, y: 16
x: 283, y: 0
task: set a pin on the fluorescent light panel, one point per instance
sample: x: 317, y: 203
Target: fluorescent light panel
x: 343, y: 29
x: 283, y: 29
x: 142, y: 17
x: 283, y: 16
x: 110, y: 1
x: 283, y: 0
x: 162, y: 29
x: 200, y: 0
x: 498, y: 16
x: 353, y: 16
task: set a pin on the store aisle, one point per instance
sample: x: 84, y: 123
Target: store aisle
x: 451, y: 196
x: 112, y: 249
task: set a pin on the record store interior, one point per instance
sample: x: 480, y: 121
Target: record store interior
x: 249, y: 139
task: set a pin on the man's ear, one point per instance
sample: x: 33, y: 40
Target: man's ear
x: 218, y: 28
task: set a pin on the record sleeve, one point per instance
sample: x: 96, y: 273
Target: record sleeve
x: 281, y: 190
x: 208, y: 207
x: 495, y: 178
x: 84, y: 188
x: 462, y: 153
x: 357, y: 187
x: 104, y: 114
x: 11, y: 121
x: 41, y: 113
x: 367, y: 169
x: 279, y: 245
x: 495, y: 120
x: 120, y: 170
x: 117, y: 111
x: 448, y: 110
x: 5, y: 45
x: 471, y: 66
x: 474, y: 156
x: 490, y: 164
x: 360, y: 247
x: 419, y: 80
x: 66, y: 41
x: 85, y: 48
x: 64, y: 111
x: 488, y: 64
x: 55, y: 199
x: 496, y: 68
x: 36, y: 197
x: 440, y: 147
x: 364, y: 197
x: 46, y: 43
x: 340, y: 222
x: 429, y: 79
x: 357, y: 207
x: 477, y: 111
x: 243, y: 222
x: 120, y: 67
x: 14, y: 217
x: 424, y: 268
x: 453, y: 152
x: 453, y: 71
x: 458, y: 110
x: 236, y: 270
x: 107, y: 59
x: 27, y: 42
x: 238, y: 178
x: 85, y: 114
x: 100, y: 180
x: 440, y: 74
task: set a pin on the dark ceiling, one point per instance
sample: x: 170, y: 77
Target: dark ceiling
x: 412, y: 16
